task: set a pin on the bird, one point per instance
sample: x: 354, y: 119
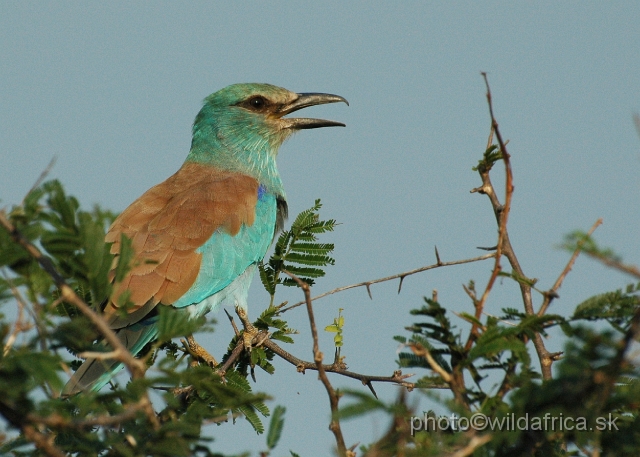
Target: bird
x: 198, y: 237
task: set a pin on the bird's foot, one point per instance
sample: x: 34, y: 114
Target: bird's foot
x: 250, y: 332
x: 199, y: 352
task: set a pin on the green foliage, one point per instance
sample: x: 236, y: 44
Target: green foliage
x: 31, y: 369
x: 336, y: 327
x: 593, y: 396
x: 485, y: 363
x: 489, y: 158
x: 298, y: 252
x: 172, y: 323
x: 587, y: 244
x: 73, y: 239
x: 617, y: 307
x: 275, y: 426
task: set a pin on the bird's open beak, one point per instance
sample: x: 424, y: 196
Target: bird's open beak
x: 303, y: 101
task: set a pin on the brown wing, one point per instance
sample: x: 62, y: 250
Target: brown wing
x: 166, y: 225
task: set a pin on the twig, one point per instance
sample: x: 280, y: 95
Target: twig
x: 20, y: 325
x: 302, y: 365
x: 233, y: 324
x: 100, y: 355
x: 504, y: 246
x: 474, y: 443
x: 334, y: 426
x: 553, y: 292
x: 422, y: 351
x: 502, y: 215
x: 367, y: 284
x: 58, y: 421
x: 198, y: 351
x: 612, y: 372
x: 34, y: 314
x: 232, y: 358
x: 629, y: 269
x: 41, y: 178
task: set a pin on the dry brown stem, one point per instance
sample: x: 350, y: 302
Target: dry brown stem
x: 399, y: 276
x: 334, y: 425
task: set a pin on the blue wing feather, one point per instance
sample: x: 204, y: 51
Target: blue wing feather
x: 229, y: 261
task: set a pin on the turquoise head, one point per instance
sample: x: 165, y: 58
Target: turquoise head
x: 241, y: 128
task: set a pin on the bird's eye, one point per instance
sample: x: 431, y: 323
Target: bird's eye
x: 257, y: 102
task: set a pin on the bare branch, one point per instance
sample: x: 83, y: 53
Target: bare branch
x: 474, y: 443
x: 232, y: 358
x: 501, y: 212
x: 422, y: 351
x: 41, y: 178
x: 397, y: 377
x: 504, y: 246
x: 367, y: 284
x: 334, y: 426
x: 100, y: 355
x: 553, y: 292
x: 628, y: 269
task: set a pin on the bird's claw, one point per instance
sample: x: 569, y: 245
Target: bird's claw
x: 248, y: 336
x: 250, y: 332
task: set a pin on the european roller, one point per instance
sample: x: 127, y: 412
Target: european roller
x: 198, y: 236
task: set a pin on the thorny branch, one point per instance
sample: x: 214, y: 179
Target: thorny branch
x: 613, y: 263
x: 475, y: 442
x: 504, y: 246
x: 339, y: 368
x: 553, y: 292
x: 334, y: 426
x: 501, y: 213
x: 400, y: 276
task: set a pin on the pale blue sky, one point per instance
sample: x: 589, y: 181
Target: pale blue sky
x: 111, y: 89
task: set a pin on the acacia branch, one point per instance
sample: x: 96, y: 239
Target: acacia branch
x: 501, y: 213
x: 400, y: 276
x: 340, y: 369
x: 474, y: 443
x: 57, y: 421
x: 334, y: 426
x: 504, y: 246
x: 608, y: 261
x: 553, y: 292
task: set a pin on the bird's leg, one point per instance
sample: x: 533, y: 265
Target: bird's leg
x: 199, y: 352
x: 250, y: 331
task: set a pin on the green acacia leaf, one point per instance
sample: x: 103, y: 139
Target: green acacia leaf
x: 173, y: 323
x: 275, y: 426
